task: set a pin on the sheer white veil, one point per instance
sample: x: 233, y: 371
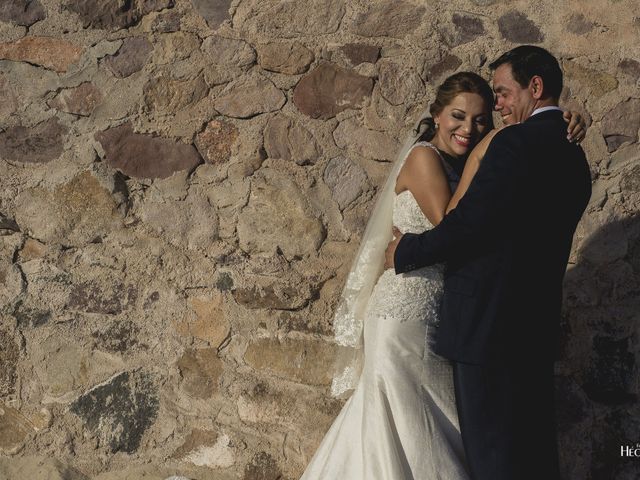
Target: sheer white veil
x: 367, y: 267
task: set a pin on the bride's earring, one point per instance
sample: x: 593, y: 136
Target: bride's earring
x: 437, y: 124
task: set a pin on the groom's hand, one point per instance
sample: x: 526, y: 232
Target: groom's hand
x: 390, y: 252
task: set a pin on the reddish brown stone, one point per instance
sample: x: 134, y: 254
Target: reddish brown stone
x: 201, y: 371
x: 208, y: 321
x: 516, y: 27
x: 115, y: 14
x: 81, y: 100
x: 38, y: 144
x: 449, y: 63
x: 48, y: 52
x: 214, y: 143
x: 621, y: 124
x: 22, y: 12
x: 358, y: 53
x: 145, y: 156
x: 467, y: 28
x: 130, y: 57
x: 330, y: 89
x: 630, y: 67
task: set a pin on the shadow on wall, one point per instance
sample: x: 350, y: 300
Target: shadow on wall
x: 597, y: 382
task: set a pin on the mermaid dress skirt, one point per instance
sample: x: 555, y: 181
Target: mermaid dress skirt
x: 400, y: 422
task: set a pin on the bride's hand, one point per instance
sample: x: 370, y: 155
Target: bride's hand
x: 577, y: 128
x: 478, y: 152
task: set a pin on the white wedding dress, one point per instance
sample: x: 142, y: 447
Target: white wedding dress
x: 400, y: 422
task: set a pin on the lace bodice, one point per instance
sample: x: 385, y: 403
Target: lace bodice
x: 407, y: 215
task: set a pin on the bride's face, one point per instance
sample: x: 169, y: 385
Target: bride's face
x: 462, y: 123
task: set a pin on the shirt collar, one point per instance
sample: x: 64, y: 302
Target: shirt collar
x: 545, y: 109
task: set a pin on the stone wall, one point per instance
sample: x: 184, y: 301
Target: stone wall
x: 184, y: 184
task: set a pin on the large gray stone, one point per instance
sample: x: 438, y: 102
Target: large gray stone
x: 145, y: 156
x: 22, y: 12
x: 213, y: 11
x: 192, y: 223
x: 330, y: 89
x: 248, y: 97
x: 291, y: 58
x: 119, y: 411
x: 286, y: 139
x: 518, y: 28
x: 289, y: 18
x: 164, y: 94
x: 399, y: 84
x: 579, y: 25
x: 593, y: 83
x: 130, y: 57
x: 228, y: 52
x: 8, y: 99
x: 39, y: 144
x: 621, y: 123
x: 301, y: 360
x: 115, y: 14
x: 389, y: 19
x: 37, y: 468
x: 14, y: 429
x: 346, y: 180
x: 278, y: 216
x: 75, y: 213
x: 352, y: 137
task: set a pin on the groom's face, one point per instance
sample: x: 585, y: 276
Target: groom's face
x: 514, y: 103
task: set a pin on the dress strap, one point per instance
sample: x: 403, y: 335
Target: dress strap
x: 452, y: 175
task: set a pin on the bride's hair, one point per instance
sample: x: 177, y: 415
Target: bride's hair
x: 461, y: 82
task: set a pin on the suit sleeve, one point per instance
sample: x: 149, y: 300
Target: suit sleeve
x: 480, y: 215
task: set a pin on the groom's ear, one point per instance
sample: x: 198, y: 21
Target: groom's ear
x: 536, y: 87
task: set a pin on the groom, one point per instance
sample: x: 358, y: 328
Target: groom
x: 506, y: 247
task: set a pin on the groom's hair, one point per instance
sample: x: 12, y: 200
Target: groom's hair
x: 527, y: 61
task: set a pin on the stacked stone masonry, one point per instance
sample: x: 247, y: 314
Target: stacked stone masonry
x: 184, y: 186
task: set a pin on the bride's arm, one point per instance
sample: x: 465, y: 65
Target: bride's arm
x: 576, y: 131
x: 422, y: 174
x: 470, y: 168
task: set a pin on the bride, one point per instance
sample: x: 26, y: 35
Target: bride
x: 400, y: 422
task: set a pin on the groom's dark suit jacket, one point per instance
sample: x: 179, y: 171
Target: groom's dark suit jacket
x: 506, y: 246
